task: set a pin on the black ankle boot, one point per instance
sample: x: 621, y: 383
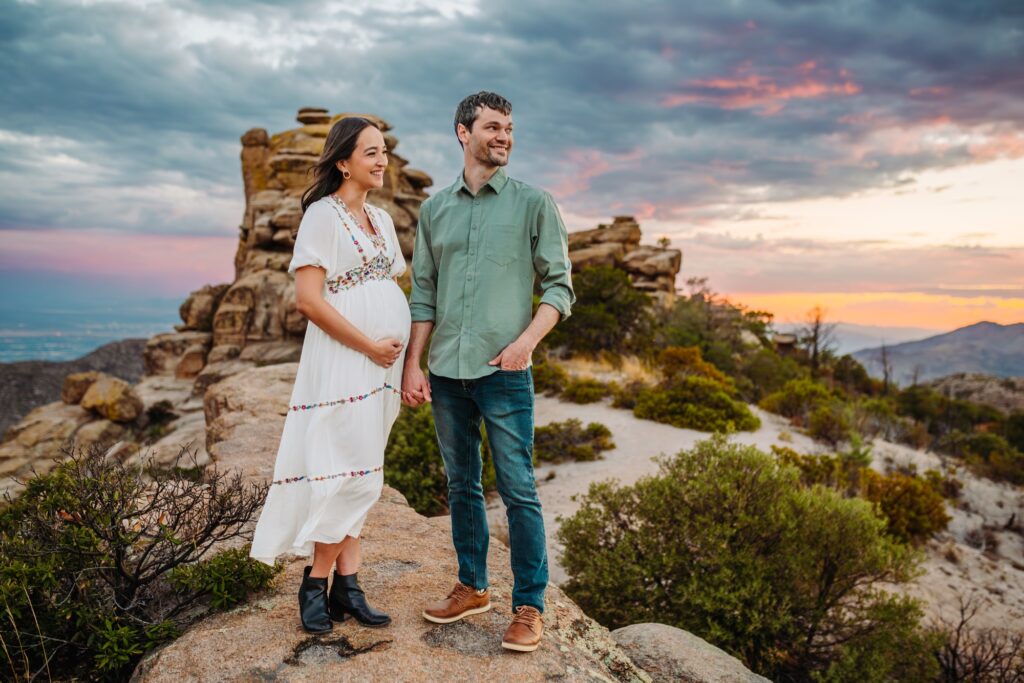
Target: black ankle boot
x: 348, y: 598
x: 313, y: 604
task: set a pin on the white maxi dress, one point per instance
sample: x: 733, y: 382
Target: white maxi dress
x: 329, y: 469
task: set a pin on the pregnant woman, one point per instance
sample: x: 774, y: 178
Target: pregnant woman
x: 329, y: 468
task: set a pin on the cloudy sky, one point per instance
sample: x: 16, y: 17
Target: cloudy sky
x: 864, y: 155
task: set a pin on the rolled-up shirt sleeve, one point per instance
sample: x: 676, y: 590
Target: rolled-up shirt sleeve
x: 423, y: 300
x: 551, y: 258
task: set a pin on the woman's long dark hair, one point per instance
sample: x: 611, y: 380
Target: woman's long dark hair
x: 339, y: 146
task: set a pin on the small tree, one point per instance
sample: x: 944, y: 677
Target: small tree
x: 818, y: 338
x: 886, y: 363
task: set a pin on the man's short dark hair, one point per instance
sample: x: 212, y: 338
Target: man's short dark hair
x: 467, y: 111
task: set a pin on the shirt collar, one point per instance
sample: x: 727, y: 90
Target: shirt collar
x: 496, y: 183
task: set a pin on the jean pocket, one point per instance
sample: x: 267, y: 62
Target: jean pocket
x: 503, y: 242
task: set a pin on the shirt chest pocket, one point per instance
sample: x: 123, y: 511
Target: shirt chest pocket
x: 503, y: 242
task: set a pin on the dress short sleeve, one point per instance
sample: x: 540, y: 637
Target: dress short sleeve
x: 316, y: 244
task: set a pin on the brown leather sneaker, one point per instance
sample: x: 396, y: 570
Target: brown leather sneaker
x: 461, y: 602
x: 523, y: 634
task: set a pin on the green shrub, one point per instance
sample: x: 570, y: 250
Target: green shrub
x: 549, y: 378
x: 946, y: 485
x: 797, y: 399
x: 1013, y: 429
x: 877, y: 417
x: 766, y: 372
x: 585, y: 390
x: 831, y: 471
x: 413, y: 463
x: 676, y: 363
x: 103, y: 562
x: 725, y: 543
x: 987, y: 453
x: 829, y: 423
x: 695, y: 403
x: 228, y: 577
x: 609, y: 316
x: 568, y: 440
x: 912, y: 508
x: 626, y: 395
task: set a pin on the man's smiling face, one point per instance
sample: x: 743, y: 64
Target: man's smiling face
x: 490, y: 140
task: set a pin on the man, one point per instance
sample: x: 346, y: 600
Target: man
x: 480, y: 243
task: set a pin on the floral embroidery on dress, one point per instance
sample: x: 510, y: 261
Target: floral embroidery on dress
x: 350, y: 399
x: 377, y: 268
x: 324, y: 477
x: 377, y: 239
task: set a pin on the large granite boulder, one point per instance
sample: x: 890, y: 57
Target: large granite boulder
x: 113, y: 399
x: 672, y: 655
x: 76, y: 384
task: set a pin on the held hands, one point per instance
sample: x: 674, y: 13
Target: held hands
x: 385, y: 352
x: 515, y: 356
x: 415, y: 387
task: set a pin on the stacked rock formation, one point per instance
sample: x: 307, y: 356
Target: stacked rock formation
x: 652, y: 269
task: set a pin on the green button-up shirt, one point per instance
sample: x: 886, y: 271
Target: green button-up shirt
x: 474, y: 266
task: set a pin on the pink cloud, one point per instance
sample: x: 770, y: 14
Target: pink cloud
x: 1003, y: 145
x: 748, y: 89
x: 577, y: 167
x: 162, y: 264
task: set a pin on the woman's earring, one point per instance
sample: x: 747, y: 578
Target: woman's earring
x: 346, y: 174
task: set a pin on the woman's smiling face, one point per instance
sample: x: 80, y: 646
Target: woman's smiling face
x: 368, y: 161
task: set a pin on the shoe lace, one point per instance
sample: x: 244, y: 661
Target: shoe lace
x: 461, y: 592
x: 528, y: 616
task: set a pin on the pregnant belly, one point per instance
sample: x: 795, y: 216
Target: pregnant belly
x: 379, y: 309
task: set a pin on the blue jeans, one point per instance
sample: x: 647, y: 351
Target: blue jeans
x: 504, y: 400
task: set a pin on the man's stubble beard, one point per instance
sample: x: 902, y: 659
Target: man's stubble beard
x: 483, y: 154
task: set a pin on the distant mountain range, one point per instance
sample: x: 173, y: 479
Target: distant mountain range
x: 986, y: 348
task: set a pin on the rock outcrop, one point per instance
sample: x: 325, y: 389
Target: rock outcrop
x: 672, y: 655
x: 652, y: 269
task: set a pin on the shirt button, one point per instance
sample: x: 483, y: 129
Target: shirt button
x: 471, y: 252
x: 469, y: 276
x: 474, y: 227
